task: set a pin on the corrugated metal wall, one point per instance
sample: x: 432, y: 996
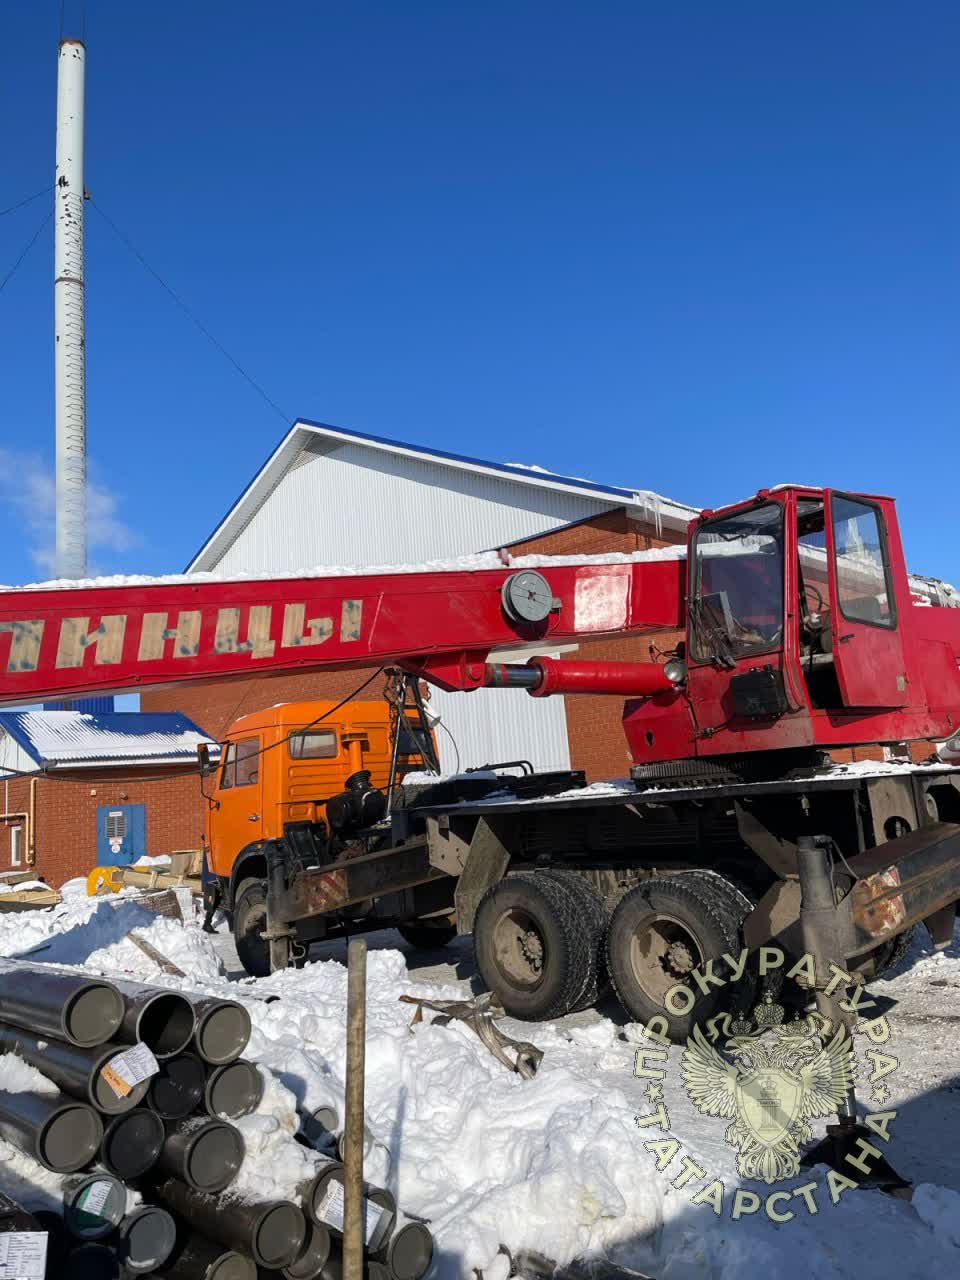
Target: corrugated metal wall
x: 360, y: 506
x: 492, y: 725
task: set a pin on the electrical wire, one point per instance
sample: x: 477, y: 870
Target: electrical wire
x: 23, y: 253
x: 122, y: 236
x: 454, y: 741
x: 22, y: 203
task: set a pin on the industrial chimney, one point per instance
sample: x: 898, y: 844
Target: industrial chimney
x: 71, y: 407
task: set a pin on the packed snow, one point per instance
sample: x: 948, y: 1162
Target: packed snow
x: 556, y: 1164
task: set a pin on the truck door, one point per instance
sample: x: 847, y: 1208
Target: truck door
x: 867, y: 645
x: 237, y: 819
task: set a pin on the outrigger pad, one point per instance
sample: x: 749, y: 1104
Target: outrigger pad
x: 840, y: 1150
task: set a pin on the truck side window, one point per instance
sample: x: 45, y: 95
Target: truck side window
x: 313, y: 744
x: 863, y: 574
x: 229, y: 769
x: 248, y: 762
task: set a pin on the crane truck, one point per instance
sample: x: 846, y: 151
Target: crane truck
x: 801, y: 635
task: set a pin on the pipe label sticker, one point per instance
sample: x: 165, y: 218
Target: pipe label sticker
x: 23, y: 1255
x: 92, y: 1198
x: 129, y: 1068
x: 330, y: 1210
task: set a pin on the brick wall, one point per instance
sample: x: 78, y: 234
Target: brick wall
x: 65, y: 835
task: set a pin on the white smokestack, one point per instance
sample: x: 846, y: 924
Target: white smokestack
x: 69, y: 316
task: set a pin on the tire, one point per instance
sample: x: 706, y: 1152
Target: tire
x: 531, y: 948
x: 659, y: 932
x: 427, y: 937
x: 593, y: 920
x: 891, y: 953
x: 249, y: 920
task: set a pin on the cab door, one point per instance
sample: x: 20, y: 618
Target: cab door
x: 867, y: 644
x: 237, y: 819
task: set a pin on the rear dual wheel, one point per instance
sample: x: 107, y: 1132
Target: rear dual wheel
x: 661, y: 933
x: 537, y: 940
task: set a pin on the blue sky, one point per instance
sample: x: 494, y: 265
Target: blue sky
x: 694, y: 248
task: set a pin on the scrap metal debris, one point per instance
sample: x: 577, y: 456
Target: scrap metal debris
x: 478, y: 1014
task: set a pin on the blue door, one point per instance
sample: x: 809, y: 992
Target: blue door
x: 121, y: 834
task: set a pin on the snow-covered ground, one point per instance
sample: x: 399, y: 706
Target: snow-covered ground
x: 556, y: 1164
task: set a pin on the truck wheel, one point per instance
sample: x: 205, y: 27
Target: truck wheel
x: 249, y: 921
x: 594, y: 923
x: 890, y: 954
x: 530, y: 945
x: 426, y: 936
x: 660, y: 932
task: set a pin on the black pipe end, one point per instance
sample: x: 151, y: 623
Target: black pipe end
x: 132, y: 1143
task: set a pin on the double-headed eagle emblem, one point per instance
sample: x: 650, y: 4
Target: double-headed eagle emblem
x: 769, y: 1090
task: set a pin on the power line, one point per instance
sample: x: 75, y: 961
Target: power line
x: 183, y: 307
x: 20, y: 203
x: 26, y: 249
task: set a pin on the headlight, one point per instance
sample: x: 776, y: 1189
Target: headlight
x: 675, y: 670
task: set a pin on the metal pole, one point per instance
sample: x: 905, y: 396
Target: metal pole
x: 353, y: 1141
x: 69, y: 340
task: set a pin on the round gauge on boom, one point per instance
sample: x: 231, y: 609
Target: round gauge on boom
x: 526, y: 596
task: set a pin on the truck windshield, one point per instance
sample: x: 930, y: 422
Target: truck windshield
x: 736, y: 601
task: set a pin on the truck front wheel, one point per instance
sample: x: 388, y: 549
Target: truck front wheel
x: 530, y: 946
x: 249, y: 922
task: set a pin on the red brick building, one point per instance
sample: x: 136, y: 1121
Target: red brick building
x: 82, y: 790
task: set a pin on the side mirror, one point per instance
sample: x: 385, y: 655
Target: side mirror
x: 203, y: 760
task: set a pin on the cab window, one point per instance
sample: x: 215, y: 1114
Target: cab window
x: 736, y: 606
x: 313, y: 744
x: 241, y: 764
x: 863, y: 570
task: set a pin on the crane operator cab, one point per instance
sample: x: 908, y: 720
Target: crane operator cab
x: 793, y: 627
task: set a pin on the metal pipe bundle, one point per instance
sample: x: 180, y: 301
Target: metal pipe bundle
x: 132, y: 1143
x: 205, y: 1153
x: 76, y: 1070
x: 324, y: 1202
x: 272, y: 1232
x: 197, y: 1258
x: 333, y: 1267
x: 59, y: 1132
x: 65, y: 1006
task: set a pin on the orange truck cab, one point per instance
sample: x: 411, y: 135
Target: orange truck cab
x: 314, y: 776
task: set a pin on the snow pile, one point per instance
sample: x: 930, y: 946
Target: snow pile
x: 555, y: 1164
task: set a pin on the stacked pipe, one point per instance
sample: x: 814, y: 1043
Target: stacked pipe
x: 167, y: 1132
x: 140, y: 1085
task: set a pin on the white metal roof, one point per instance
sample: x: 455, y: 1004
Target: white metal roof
x: 306, y: 440
x: 35, y: 740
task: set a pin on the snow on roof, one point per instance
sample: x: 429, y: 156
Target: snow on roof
x: 124, y: 737
x: 305, y: 433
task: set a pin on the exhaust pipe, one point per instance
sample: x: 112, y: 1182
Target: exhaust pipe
x: 145, y: 1240
x: 233, y: 1090
x: 206, y: 1154
x: 73, y: 1069
x: 222, y: 1029
x: 177, y: 1088
x: 59, y: 1132
x: 312, y: 1258
x: 198, y: 1258
x: 83, y: 1011
x: 163, y: 1020
x: 409, y: 1253
x: 272, y: 1232
x: 94, y: 1205
x: 132, y: 1143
